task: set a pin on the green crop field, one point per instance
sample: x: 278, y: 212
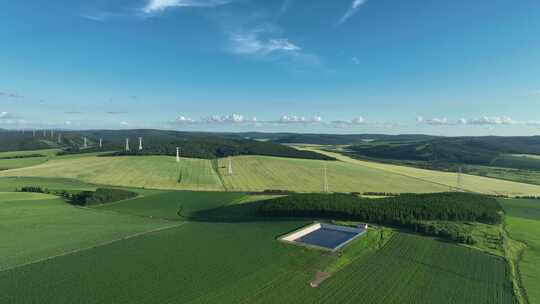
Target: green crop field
x: 414, y: 269
x: 7, y: 160
x: 45, y: 152
x: 523, y: 224
x: 243, y: 263
x: 159, y: 172
x: 37, y: 226
x: 166, y: 205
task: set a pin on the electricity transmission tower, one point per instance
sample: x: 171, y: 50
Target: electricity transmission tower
x: 459, y: 181
x: 325, y: 179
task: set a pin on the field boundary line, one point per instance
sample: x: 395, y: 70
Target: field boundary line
x: 71, y: 252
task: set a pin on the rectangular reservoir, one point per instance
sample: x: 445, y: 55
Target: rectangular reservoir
x: 326, y: 236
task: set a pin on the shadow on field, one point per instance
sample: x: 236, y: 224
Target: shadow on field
x: 234, y: 214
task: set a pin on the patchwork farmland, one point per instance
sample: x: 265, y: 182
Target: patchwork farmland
x: 210, y: 246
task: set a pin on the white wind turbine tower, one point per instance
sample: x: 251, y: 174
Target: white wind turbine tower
x: 44, y: 133
x: 101, y: 143
x: 230, y: 166
x: 140, y: 143
x: 177, y: 154
x: 85, y: 145
x: 34, y: 132
x: 52, y: 133
x: 59, y: 138
x: 127, y: 144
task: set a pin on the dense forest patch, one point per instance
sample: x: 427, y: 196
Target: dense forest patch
x: 420, y: 212
x: 98, y: 197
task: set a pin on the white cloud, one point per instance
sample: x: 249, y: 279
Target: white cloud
x: 183, y: 120
x: 156, y: 6
x: 232, y: 118
x: 250, y: 43
x: 480, y: 121
x: 11, y: 95
x: 124, y: 123
x: 496, y: 120
x: 358, y: 120
x: 436, y: 121
x: 5, y: 115
x: 355, y: 6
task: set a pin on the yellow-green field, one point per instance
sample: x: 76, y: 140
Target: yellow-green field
x: 448, y: 179
x: 258, y: 173
x: 132, y: 171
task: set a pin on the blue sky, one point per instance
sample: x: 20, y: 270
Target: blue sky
x: 334, y: 66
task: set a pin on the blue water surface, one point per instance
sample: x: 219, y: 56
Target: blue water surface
x: 327, y: 238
